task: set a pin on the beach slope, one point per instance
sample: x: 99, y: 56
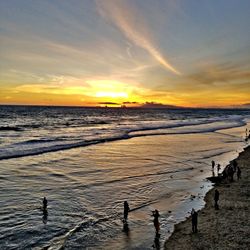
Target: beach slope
x: 226, y: 228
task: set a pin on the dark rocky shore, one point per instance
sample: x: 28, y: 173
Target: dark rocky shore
x: 227, y: 228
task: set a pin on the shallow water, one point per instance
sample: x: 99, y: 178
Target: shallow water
x: 86, y: 186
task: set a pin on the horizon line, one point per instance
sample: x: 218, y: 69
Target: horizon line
x: 164, y: 106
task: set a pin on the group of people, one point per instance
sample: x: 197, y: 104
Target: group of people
x: 155, y: 214
x: 229, y: 170
x: 218, y: 168
x: 194, y: 214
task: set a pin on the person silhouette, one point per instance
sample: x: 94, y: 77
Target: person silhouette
x: 218, y: 169
x: 45, y: 211
x: 194, y: 216
x: 213, y: 165
x: 156, y: 221
x: 235, y: 165
x: 45, y: 203
x: 216, y: 199
x: 126, y: 210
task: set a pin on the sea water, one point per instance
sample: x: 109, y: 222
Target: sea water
x: 88, y: 161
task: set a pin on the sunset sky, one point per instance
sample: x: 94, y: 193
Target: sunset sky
x: 95, y: 52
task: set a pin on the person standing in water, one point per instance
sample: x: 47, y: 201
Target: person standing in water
x: 156, y: 221
x: 45, y: 211
x: 213, y: 165
x: 126, y: 210
x: 45, y: 203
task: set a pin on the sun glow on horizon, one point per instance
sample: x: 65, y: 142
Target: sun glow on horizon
x: 109, y: 88
x: 112, y: 94
x: 125, y: 53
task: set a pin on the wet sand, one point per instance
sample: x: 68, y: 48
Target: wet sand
x: 227, y: 228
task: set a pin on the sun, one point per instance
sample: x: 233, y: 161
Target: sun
x: 109, y: 89
x: 111, y: 94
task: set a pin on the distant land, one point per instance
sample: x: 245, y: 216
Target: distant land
x: 146, y: 105
x: 159, y: 106
x: 246, y: 105
x: 242, y: 106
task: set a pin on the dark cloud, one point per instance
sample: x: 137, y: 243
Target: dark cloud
x: 156, y: 105
x: 130, y: 103
x: 109, y: 103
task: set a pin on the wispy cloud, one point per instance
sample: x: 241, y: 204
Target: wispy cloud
x: 168, y: 51
x: 120, y: 15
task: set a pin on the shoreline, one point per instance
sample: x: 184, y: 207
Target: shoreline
x: 68, y: 171
x: 226, y: 228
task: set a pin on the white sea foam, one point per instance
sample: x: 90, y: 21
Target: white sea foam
x: 26, y: 139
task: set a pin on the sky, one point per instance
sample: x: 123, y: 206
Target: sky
x: 193, y: 53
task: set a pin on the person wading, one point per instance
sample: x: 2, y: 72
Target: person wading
x: 126, y: 210
x: 156, y: 221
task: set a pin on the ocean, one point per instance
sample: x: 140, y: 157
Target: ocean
x: 88, y: 161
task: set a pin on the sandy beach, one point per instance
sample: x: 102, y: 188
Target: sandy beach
x: 226, y: 228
